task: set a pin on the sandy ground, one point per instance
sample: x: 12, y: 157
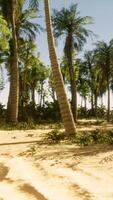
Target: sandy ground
x: 53, y: 172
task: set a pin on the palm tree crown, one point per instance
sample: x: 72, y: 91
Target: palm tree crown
x: 68, y: 21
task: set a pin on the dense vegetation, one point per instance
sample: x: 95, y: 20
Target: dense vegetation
x: 90, y: 76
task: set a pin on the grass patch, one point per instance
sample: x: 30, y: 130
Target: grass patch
x: 82, y: 138
x: 29, y: 125
x: 19, y: 126
x: 94, y: 137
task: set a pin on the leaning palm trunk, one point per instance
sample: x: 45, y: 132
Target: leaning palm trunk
x: 12, y: 114
x: 57, y: 77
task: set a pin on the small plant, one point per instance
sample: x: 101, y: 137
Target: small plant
x: 83, y: 139
x: 110, y: 137
x: 94, y: 137
x: 55, y: 136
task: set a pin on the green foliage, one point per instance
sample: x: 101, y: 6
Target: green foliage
x: 5, y: 34
x: 1, y: 83
x: 82, y: 138
x: 33, y: 74
x: 34, y: 4
x: 20, y: 126
x: 94, y: 137
x: 101, y: 112
x: 48, y: 112
x: 55, y: 136
x: 68, y: 21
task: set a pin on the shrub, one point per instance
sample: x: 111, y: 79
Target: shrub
x: 94, y: 137
x: 2, y: 112
x: 55, y: 136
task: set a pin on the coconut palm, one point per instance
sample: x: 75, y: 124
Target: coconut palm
x: 104, y: 54
x: 9, y: 10
x: 57, y: 77
x: 21, y: 26
x: 71, y: 25
x: 14, y: 78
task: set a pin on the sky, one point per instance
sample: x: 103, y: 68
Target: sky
x: 100, y: 10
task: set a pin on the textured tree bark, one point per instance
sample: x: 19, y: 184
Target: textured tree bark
x: 69, y: 56
x: 65, y: 109
x: 12, y: 107
x: 33, y: 97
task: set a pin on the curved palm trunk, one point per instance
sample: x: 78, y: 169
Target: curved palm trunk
x: 57, y: 77
x: 12, y: 114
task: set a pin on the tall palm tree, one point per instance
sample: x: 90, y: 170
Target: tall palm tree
x: 69, y: 24
x: 57, y: 77
x: 92, y: 73
x: 20, y: 24
x: 104, y: 54
x: 9, y: 10
x: 14, y: 70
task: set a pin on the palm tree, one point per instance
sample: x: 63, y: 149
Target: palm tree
x: 32, y: 71
x: 21, y: 26
x: 69, y: 24
x: 57, y: 77
x: 14, y: 70
x: 10, y: 12
x: 104, y: 54
x: 91, y: 72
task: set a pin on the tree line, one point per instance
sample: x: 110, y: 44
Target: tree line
x: 90, y: 76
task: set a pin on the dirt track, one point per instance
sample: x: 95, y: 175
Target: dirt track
x: 59, y: 172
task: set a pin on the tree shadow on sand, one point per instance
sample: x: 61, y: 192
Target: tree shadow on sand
x: 27, y: 188
x: 3, y: 171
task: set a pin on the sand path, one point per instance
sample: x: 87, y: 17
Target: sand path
x: 59, y: 172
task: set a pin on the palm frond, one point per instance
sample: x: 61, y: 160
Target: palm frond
x: 34, y: 4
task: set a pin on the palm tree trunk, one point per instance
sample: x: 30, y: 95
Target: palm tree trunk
x: 96, y: 99
x: 74, y: 98
x: 69, y: 56
x: 12, y: 114
x: 33, y: 97
x: 57, y: 77
x: 108, y: 111
x: 85, y: 104
x: 92, y: 102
